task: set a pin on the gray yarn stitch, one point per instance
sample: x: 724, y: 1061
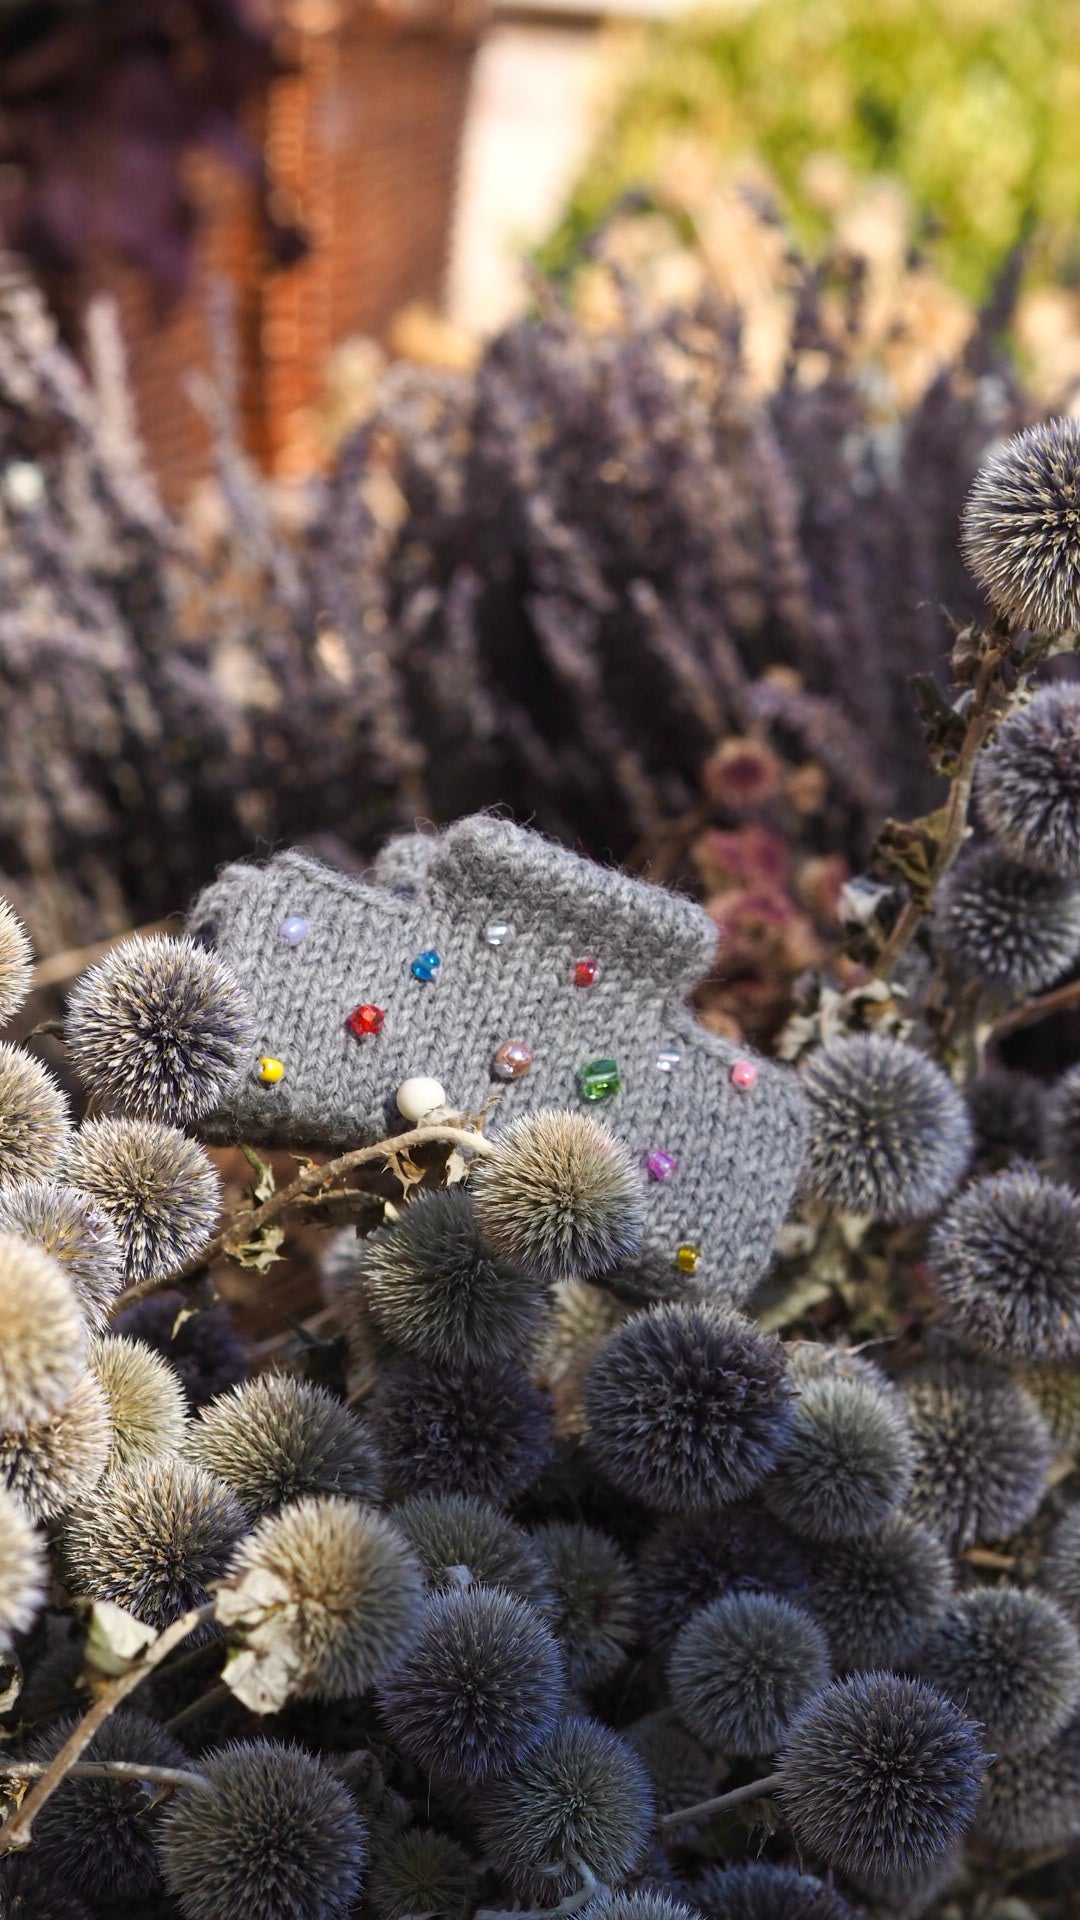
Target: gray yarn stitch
x: 738, y: 1152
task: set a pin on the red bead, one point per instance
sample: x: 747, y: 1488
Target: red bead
x: 585, y: 972
x: 744, y: 1075
x: 365, y: 1019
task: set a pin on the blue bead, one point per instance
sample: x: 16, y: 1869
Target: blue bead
x: 293, y: 929
x: 426, y: 965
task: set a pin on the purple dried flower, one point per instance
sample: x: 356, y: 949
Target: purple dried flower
x: 890, y: 1135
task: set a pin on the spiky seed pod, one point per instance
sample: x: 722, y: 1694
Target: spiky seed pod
x: 1063, y: 1126
x: 271, y: 1836
x: 561, y: 1196
x: 1004, y: 926
x: 681, y: 1771
x: 275, y: 1439
x: 1056, y: 1392
x: 1009, y: 1117
x: 890, y: 1136
x: 683, y: 1565
x: 687, y: 1407
x: 1005, y: 1260
x: 877, y: 1598
x: 1011, y: 1660
x: 910, y: 1895
x: 75, y: 1232
x: 355, y: 1589
x: 982, y: 1451
x: 158, y: 1029
x: 1059, y: 1569
x: 23, y: 1570
x: 101, y: 1836
x: 158, y: 1188
x: 437, y: 1290
x: 595, y: 1599
x: 580, y: 1316
x: 146, y: 1400
x: 582, y: 1794
x: 1018, y: 531
x: 27, y: 1893
x: 741, y: 1669
x: 757, y: 1890
x: 420, y: 1871
x: 881, y: 1775
x: 35, y: 1127
x: 1031, y: 1801
x: 42, y: 1334
x: 479, y: 1687
x: 16, y: 963
x: 638, y: 1904
x: 153, y: 1538
x: 485, y: 1432
x: 846, y: 1463
x: 814, y: 1360
x: 53, y: 1465
x: 457, y: 1538
x: 1027, y: 782
x: 205, y: 1348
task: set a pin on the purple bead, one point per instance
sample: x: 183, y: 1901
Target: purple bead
x: 660, y: 1165
x: 293, y: 929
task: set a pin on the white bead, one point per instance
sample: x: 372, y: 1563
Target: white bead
x: 419, y: 1096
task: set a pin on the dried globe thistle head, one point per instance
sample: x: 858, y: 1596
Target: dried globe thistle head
x: 16, y: 963
x: 205, y: 1347
x: 1059, y: 1569
x: 158, y: 1029
x: 876, y: 1598
x: 846, y: 1463
x: 880, y: 1775
x: 595, y: 1614
x: 890, y: 1136
x: 582, y: 1795
x: 1011, y: 1660
x: 28, y: 1893
x: 1005, y: 926
x: 687, y: 1407
x: 479, y: 1687
x: 1005, y: 1260
x: 757, y: 1890
x: 1056, y: 1392
x: 146, y: 1400
x: 158, y: 1188
x: 23, y: 1570
x: 982, y: 1451
x: 638, y: 1903
x: 1063, y: 1126
x: 54, y: 1464
x: 42, y: 1334
x: 560, y: 1195
x: 274, y: 1439
x: 1027, y: 782
x: 271, y: 1836
x: 741, y: 1669
x: 485, y: 1432
x: 101, y: 1836
x: 1031, y: 1801
x: 421, y: 1871
x: 75, y: 1232
x: 354, y: 1591
x: 155, y: 1536
x: 683, y: 1565
x: 1019, y: 533
x: 580, y: 1316
x: 457, y: 1538
x: 437, y: 1290
x: 35, y: 1127
x: 1009, y: 1117
x: 681, y: 1771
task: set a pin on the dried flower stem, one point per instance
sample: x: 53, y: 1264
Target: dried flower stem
x: 73, y: 960
x: 16, y: 1830
x: 107, y: 1770
x: 1058, y: 1000
x: 753, y: 1790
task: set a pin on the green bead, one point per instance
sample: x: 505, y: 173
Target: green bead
x: 599, y: 1079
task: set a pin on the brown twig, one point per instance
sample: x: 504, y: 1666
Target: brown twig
x: 754, y: 1790
x: 74, y: 960
x: 1058, y: 1000
x: 15, y: 1831
x: 106, y: 1770
x: 214, y: 1696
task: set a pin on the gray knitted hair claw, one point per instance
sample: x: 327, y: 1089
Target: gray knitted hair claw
x: 497, y: 920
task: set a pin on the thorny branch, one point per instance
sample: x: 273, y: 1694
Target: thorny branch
x: 753, y: 1790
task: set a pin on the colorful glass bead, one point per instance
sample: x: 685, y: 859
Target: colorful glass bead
x: 497, y: 933
x: 585, y: 972
x: 668, y: 1059
x: 599, y: 1079
x: 660, y: 1165
x: 511, y: 1060
x: 744, y: 1075
x: 426, y: 965
x: 687, y: 1257
x: 270, y: 1071
x: 365, y: 1019
x: 293, y: 929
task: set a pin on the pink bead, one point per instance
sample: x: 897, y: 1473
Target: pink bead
x: 744, y: 1075
x: 512, y: 1059
x: 660, y: 1165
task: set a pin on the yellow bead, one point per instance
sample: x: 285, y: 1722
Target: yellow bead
x: 687, y: 1258
x: 270, y: 1070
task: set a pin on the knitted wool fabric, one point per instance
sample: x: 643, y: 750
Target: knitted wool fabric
x: 510, y: 916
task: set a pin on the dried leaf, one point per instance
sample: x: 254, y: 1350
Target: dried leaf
x: 265, y: 1184
x: 809, y: 1290
x: 263, y: 1665
x: 115, y: 1639
x: 456, y: 1169
x: 260, y: 1250
x: 943, y: 727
